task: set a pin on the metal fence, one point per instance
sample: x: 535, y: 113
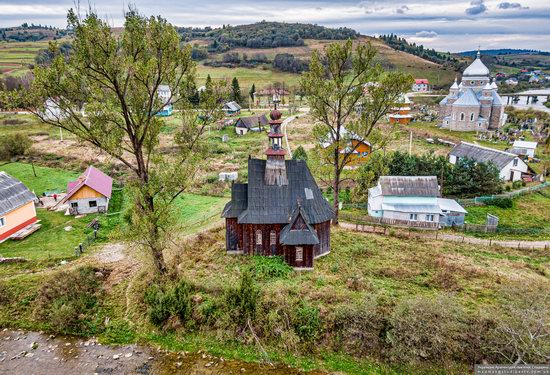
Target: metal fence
x: 511, y: 194
x: 90, y: 238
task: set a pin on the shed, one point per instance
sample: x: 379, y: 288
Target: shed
x: 524, y: 148
x: 231, y: 108
x: 452, y: 213
x: 251, y: 123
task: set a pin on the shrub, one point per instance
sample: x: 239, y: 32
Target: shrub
x: 243, y: 300
x: 14, y: 145
x: 68, y: 300
x: 266, y: 268
x: 427, y: 329
x: 501, y: 202
x: 307, y: 323
x: 517, y: 184
x: 168, y: 302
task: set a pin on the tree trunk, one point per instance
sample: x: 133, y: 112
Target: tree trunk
x: 336, y: 194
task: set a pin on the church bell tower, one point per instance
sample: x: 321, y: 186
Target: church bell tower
x: 275, y: 167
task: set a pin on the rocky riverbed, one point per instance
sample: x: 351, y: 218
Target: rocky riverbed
x: 28, y: 353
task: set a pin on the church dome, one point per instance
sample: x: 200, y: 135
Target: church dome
x: 476, y: 69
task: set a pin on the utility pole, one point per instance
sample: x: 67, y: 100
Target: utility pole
x: 410, y: 142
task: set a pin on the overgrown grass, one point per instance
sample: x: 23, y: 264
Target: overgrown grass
x: 47, y: 179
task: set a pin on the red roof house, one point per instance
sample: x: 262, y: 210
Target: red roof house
x: 90, y: 193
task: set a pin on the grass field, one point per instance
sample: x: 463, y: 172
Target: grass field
x: 15, y: 57
x: 195, y: 212
x: 528, y: 211
x: 47, y: 179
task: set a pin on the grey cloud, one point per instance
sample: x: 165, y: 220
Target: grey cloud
x: 426, y: 34
x: 402, y: 9
x: 508, y: 5
x: 477, y: 7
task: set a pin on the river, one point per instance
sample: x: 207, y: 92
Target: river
x: 27, y: 353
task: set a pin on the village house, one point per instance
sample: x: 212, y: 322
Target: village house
x: 414, y: 201
x: 524, y: 148
x: 17, y: 210
x: 421, y: 85
x: 231, y: 108
x: 401, y: 111
x: 90, y: 193
x: 510, y: 166
x: 165, y: 96
x: 474, y: 104
x: 512, y: 81
x: 357, y: 148
x: 280, y: 211
x: 251, y: 123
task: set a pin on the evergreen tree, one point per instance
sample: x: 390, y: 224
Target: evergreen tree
x: 299, y: 154
x: 252, y: 92
x: 236, y: 91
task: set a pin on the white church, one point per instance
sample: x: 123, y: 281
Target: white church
x: 474, y: 104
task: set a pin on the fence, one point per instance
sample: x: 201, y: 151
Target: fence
x: 512, y: 194
x: 90, y: 238
x: 385, y: 222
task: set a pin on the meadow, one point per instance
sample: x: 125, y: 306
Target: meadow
x: 15, y: 57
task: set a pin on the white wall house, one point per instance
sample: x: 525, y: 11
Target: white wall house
x: 412, y: 199
x: 421, y: 85
x: 524, y: 148
x: 510, y: 166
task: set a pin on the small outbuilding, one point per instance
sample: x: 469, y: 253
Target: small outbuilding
x: 90, y: 193
x: 251, y: 123
x: 165, y: 96
x: 452, y: 213
x: 17, y: 210
x: 524, y: 148
x: 232, y: 108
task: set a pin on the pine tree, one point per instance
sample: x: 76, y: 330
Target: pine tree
x: 236, y: 91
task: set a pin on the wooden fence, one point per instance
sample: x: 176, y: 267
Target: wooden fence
x: 379, y: 221
x: 511, y: 194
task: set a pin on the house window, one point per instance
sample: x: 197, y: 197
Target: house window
x: 430, y: 217
x: 258, y: 237
x: 472, y: 116
x: 462, y: 116
x: 272, y: 238
x: 74, y: 204
x: 472, y: 82
x: 515, y: 163
x: 92, y: 204
x: 299, y: 254
x: 2, y: 221
x: 413, y: 217
x: 365, y: 153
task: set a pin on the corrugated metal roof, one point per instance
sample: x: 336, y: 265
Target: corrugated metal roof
x: 450, y: 205
x: 482, y: 154
x: 412, y: 208
x: 13, y: 193
x: 93, y: 178
x: 252, y: 121
x: 525, y: 144
x: 273, y: 204
x: 412, y: 186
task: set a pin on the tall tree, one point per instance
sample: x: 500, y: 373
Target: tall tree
x: 114, y: 79
x: 252, y: 94
x: 335, y: 86
x: 236, y: 91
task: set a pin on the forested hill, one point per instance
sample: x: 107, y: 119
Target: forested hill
x: 401, y: 44
x: 504, y: 51
x: 31, y: 33
x: 264, y: 35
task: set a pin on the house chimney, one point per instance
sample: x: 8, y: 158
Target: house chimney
x: 275, y: 167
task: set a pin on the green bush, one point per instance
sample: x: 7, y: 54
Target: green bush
x: 307, y: 323
x: 266, y: 268
x: 13, y: 145
x: 243, y: 300
x: 501, y: 202
x: 68, y: 301
x: 517, y: 184
x: 168, y: 302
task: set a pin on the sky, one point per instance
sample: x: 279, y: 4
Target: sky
x: 445, y: 25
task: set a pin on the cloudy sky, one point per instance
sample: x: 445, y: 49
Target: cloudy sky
x: 443, y: 24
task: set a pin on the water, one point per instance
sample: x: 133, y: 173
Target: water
x: 27, y: 353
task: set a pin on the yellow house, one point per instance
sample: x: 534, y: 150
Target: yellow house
x: 357, y: 150
x: 90, y: 193
x: 17, y: 211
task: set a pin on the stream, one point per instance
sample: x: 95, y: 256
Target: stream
x: 28, y: 353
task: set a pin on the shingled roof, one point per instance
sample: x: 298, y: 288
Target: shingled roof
x: 274, y: 204
x: 295, y: 234
x: 13, y: 194
x: 411, y: 186
x: 251, y: 122
x: 482, y: 154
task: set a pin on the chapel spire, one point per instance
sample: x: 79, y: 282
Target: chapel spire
x: 275, y: 166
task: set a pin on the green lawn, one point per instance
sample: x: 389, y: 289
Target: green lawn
x: 28, y: 125
x: 528, y: 211
x: 197, y: 211
x: 47, y: 179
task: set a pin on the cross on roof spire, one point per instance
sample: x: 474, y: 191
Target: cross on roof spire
x: 478, y: 51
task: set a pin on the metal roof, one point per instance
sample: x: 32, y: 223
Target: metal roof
x: 302, y: 236
x: 13, y: 194
x: 412, y: 208
x: 476, y: 69
x: 413, y: 186
x: 450, y: 205
x: 233, y: 106
x: 252, y: 121
x: 93, y: 178
x: 273, y: 204
x: 482, y: 154
x: 525, y: 144
x: 468, y: 98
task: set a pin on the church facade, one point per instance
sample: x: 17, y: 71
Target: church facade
x: 473, y: 104
x: 280, y: 211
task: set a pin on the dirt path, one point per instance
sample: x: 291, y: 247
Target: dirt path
x: 287, y: 121
x: 435, y: 235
